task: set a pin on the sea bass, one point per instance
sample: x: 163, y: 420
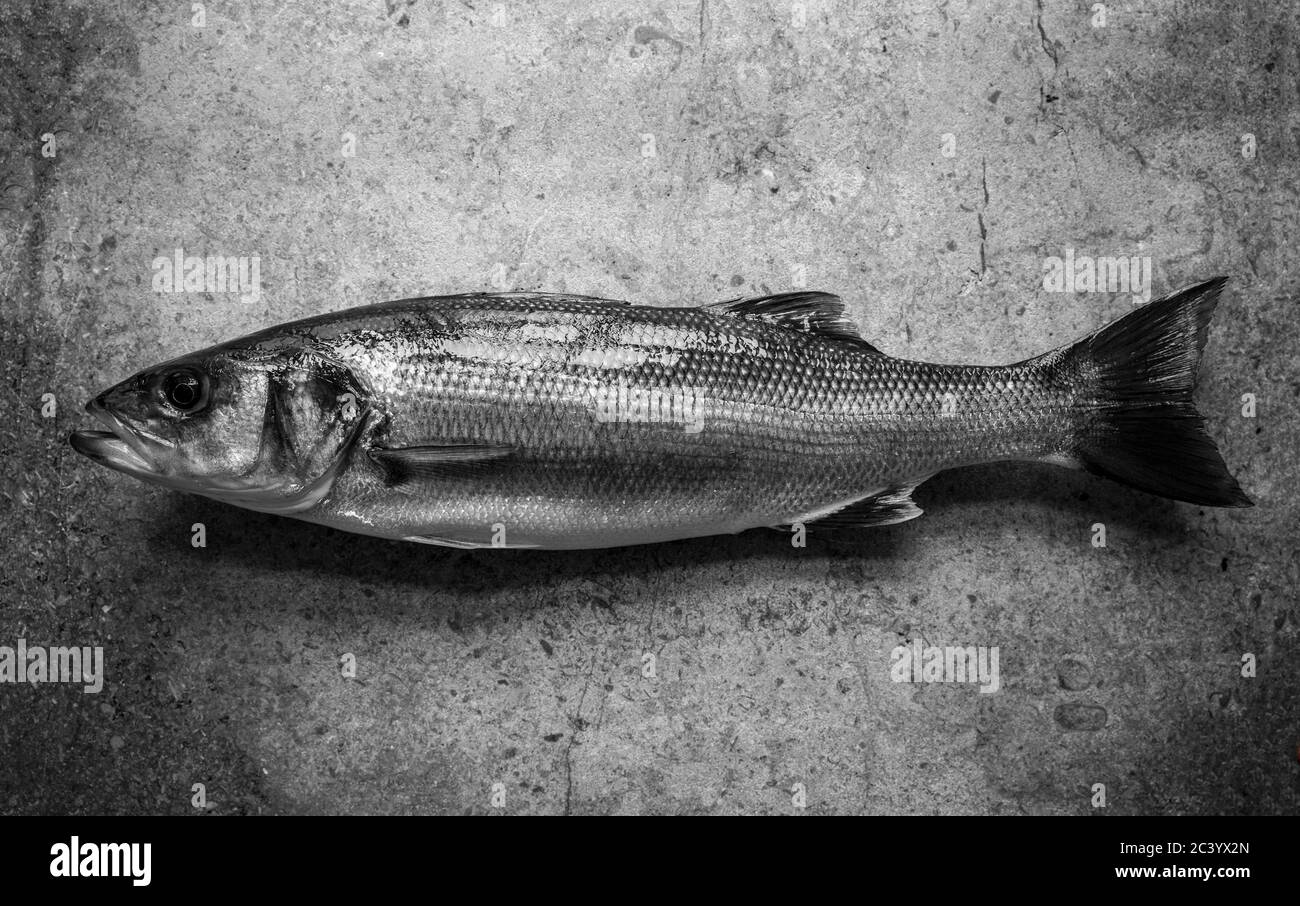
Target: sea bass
x: 559, y: 421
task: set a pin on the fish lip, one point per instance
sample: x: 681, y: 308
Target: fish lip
x: 110, y: 450
x: 118, y: 448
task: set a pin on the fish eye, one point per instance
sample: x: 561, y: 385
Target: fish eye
x: 186, y: 390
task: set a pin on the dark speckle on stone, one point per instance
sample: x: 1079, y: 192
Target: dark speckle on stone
x: 546, y: 646
x: 553, y: 737
x: 646, y: 34
x: 1074, y: 674
x: 1080, y: 717
x: 737, y: 280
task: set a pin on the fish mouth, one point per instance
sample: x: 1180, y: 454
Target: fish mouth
x: 119, y: 448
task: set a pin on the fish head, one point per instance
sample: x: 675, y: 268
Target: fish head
x: 264, y: 429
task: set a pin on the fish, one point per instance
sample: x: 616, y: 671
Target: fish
x: 555, y: 421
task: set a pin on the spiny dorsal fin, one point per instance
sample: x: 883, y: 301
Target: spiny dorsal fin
x: 544, y: 298
x: 817, y: 313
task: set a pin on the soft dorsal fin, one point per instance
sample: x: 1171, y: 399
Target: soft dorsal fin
x: 817, y: 313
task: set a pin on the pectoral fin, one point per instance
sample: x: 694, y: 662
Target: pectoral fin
x: 406, y: 466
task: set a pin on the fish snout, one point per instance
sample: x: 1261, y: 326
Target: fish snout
x: 120, y: 447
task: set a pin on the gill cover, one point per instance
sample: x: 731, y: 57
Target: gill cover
x: 315, y: 413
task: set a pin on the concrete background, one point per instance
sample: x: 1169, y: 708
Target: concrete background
x: 502, y: 145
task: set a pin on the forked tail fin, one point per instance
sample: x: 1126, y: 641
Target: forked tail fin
x: 1137, y: 421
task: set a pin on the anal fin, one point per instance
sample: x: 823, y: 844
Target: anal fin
x: 890, y: 506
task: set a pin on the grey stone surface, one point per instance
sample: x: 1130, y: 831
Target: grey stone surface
x: 507, y: 146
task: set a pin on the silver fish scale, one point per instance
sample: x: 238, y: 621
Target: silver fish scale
x: 630, y: 424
